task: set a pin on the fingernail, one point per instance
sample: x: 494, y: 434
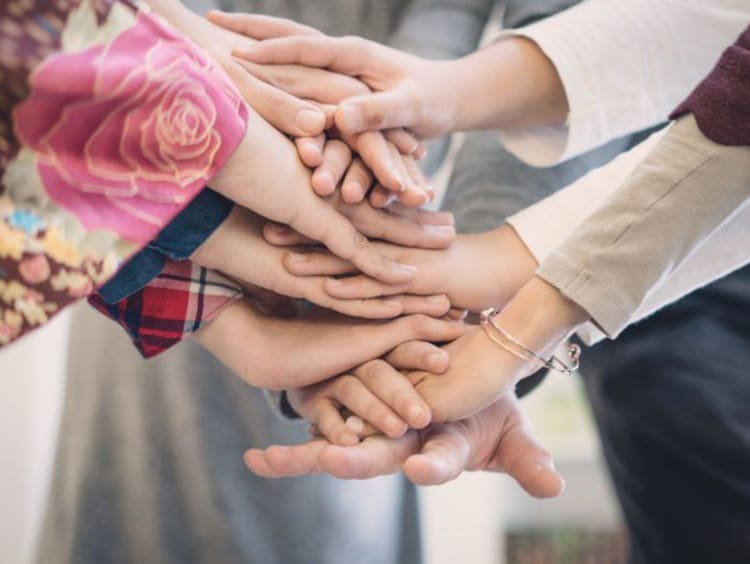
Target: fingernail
x: 355, y: 424
x: 354, y: 186
x: 299, y: 257
x: 350, y: 117
x: 279, y: 228
x: 436, y: 300
x: 393, y: 423
x: 416, y: 414
x: 406, y: 268
x: 310, y: 121
x: 448, y: 230
x: 324, y: 176
x: 402, y: 187
x: 436, y: 360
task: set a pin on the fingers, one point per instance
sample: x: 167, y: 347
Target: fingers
x: 376, y: 224
x: 521, y: 456
x: 417, y: 178
x: 325, y: 87
x: 443, y: 457
x: 405, y: 142
x: 433, y: 306
x: 323, y: 263
x: 365, y: 401
x: 357, y: 182
x: 395, y: 391
x: 384, y: 162
x: 381, y: 110
x: 310, y: 149
x: 400, y: 230
x: 327, y: 417
x: 360, y: 287
x: 419, y: 355
x: 282, y: 235
x: 375, y: 456
x: 282, y: 110
x: 280, y: 462
x: 347, y: 55
x: 259, y: 27
x: 457, y: 314
x: 336, y: 159
x: 324, y: 224
x: 425, y: 328
x: 380, y: 197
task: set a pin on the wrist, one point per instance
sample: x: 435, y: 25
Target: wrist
x: 541, y: 317
x: 512, y: 265
x: 509, y: 84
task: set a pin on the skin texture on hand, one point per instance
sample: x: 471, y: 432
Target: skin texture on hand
x: 238, y: 250
x: 391, y: 154
x: 266, y: 176
x: 376, y: 392
x: 481, y: 371
x: 498, y: 439
x: 476, y: 272
x: 280, y: 353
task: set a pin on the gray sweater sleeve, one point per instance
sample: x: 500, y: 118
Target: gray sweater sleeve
x: 441, y: 29
x: 686, y: 190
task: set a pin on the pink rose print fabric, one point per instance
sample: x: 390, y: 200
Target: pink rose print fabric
x: 100, y: 147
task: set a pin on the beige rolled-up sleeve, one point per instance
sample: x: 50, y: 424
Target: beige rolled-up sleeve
x: 679, y: 221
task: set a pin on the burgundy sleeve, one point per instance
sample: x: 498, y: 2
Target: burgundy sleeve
x: 721, y: 103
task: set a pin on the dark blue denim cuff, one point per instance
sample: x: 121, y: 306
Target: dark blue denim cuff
x: 177, y: 241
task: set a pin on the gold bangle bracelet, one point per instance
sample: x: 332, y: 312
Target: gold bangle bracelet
x: 500, y: 336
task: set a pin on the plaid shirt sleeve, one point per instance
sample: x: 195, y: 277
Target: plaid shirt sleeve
x: 176, y: 303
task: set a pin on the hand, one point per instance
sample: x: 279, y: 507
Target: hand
x: 238, y: 250
x: 390, y: 155
x: 376, y: 393
x: 510, y: 83
x: 278, y: 354
x: 480, y: 373
x: 476, y: 272
x: 265, y: 176
x: 395, y: 224
x: 496, y: 440
x: 410, y: 92
x: 481, y: 370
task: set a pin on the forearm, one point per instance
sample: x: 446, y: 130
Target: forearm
x: 541, y: 317
x: 667, y: 218
x: 508, y: 84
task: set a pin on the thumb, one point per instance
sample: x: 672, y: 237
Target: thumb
x: 529, y: 464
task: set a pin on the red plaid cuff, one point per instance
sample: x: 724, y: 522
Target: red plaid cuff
x: 178, y: 302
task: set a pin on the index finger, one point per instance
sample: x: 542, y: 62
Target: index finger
x: 347, y: 55
x: 375, y: 456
